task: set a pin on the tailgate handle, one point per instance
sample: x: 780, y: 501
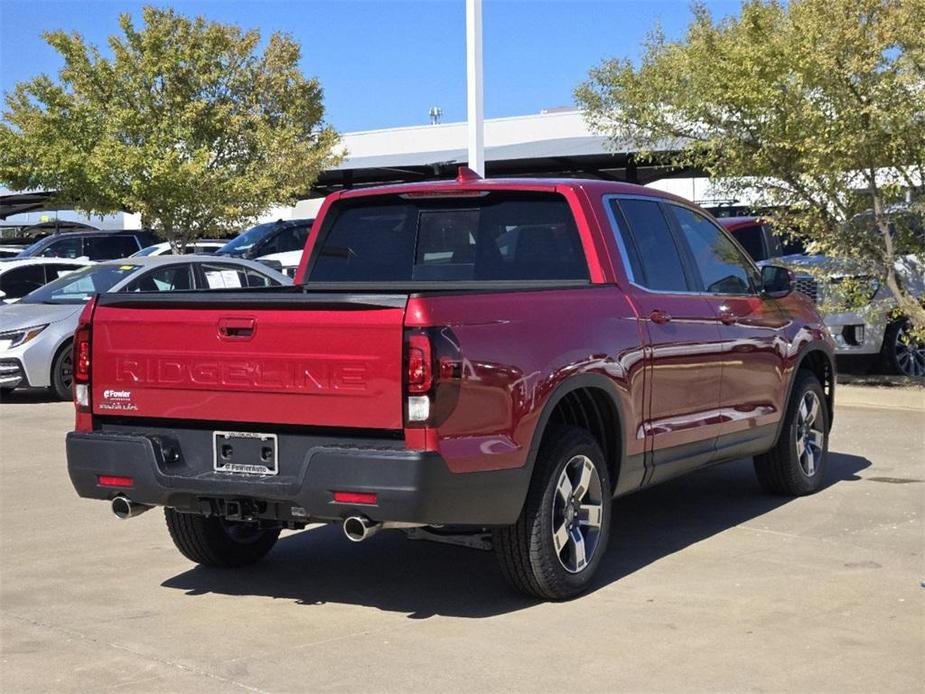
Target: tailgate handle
x: 236, y: 328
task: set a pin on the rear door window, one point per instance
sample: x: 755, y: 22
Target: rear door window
x: 653, y: 254
x: 228, y: 276
x: 488, y: 237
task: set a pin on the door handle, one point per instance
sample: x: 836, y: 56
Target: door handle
x: 236, y: 328
x: 727, y: 317
x: 660, y: 317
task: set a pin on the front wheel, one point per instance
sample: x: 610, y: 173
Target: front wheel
x: 902, y: 353
x: 213, y: 541
x: 62, y: 373
x: 796, y: 465
x: 554, y: 548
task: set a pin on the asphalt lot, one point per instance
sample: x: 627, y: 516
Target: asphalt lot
x: 707, y: 585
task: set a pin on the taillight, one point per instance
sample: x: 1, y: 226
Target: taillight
x: 81, y: 363
x: 82, y: 355
x: 420, y: 363
x: 432, y: 372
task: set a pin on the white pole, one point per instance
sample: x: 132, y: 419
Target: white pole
x: 476, y: 112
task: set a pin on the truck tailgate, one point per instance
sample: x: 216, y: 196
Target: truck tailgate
x: 289, y: 358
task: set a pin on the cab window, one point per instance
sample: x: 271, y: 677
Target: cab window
x: 722, y: 267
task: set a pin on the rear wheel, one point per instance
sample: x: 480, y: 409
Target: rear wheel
x: 215, y: 541
x: 62, y: 373
x: 554, y: 548
x: 796, y: 465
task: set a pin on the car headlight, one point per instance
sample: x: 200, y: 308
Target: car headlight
x: 15, y: 338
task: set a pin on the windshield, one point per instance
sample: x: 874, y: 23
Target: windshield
x: 77, y: 287
x: 240, y: 245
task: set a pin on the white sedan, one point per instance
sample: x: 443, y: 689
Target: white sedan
x: 36, y: 333
x: 20, y: 276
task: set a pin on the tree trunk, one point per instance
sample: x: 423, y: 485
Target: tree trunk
x: 908, y: 305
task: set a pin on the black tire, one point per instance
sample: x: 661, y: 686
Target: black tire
x: 900, y: 354
x: 786, y: 469
x: 216, y: 542
x: 62, y: 373
x: 527, y: 551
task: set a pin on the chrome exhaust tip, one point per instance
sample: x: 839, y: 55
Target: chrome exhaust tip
x: 359, y: 528
x: 126, y: 508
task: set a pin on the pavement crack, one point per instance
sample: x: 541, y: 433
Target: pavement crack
x: 146, y: 656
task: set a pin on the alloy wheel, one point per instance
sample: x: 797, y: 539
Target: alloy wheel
x: 810, y: 439
x: 67, y: 370
x: 910, y: 353
x: 577, y: 514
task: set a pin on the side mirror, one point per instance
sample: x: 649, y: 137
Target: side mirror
x: 776, y: 281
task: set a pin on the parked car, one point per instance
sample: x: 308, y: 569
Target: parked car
x: 200, y: 247
x: 36, y: 333
x: 24, y: 275
x: 875, y: 334
x: 287, y: 262
x: 489, y: 362
x: 267, y: 239
x: 94, y: 245
x: 10, y: 250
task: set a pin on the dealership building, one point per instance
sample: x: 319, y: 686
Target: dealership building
x: 555, y: 142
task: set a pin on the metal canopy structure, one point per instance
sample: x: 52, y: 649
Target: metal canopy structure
x: 578, y: 157
x: 18, y: 203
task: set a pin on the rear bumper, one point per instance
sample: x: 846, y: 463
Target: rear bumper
x: 411, y: 486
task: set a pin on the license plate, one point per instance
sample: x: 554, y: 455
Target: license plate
x: 244, y: 452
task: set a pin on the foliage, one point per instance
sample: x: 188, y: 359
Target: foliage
x: 815, y: 108
x: 186, y: 123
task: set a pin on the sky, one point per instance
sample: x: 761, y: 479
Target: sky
x: 384, y: 64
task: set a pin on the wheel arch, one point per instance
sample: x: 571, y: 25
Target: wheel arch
x: 819, y: 361
x: 588, y: 401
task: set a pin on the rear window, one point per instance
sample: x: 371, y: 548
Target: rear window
x: 498, y: 236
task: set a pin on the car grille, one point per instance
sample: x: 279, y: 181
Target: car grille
x: 806, y: 284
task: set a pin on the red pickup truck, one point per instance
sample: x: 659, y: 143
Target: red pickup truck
x: 482, y: 361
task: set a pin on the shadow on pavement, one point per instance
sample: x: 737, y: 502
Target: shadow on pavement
x: 424, y: 579
x: 27, y: 395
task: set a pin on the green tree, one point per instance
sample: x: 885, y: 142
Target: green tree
x: 816, y: 107
x: 186, y: 123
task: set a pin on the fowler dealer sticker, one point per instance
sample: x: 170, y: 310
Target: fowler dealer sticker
x: 118, y: 400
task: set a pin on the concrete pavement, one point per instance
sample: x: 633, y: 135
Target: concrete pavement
x: 707, y: 585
